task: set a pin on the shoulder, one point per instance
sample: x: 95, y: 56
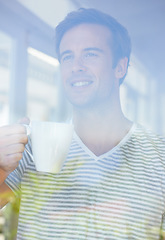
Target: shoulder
x: 148, y: 140
x: 148, y: 135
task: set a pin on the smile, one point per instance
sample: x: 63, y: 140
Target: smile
x: 81, y: 83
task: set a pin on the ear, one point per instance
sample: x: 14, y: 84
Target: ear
x: 121, y: 68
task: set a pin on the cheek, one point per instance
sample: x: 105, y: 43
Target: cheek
x: 66, y: 70
x: 100, y: 71
x: 63, y: 74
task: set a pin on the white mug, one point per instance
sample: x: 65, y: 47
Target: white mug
x: 50, y: 144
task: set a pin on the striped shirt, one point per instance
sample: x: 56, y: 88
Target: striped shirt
x: 118, y: 195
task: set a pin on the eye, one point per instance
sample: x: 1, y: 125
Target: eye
x: 66, y: 58
x: 90, y: 55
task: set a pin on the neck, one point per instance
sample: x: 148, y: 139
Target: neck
x: 107, y: 114
x: 102, y: 128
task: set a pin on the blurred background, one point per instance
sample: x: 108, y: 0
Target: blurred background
x: 30, y: 82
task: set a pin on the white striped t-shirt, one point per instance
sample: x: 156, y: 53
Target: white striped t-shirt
x: 119, y: 195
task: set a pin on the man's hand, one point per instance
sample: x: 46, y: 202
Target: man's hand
x: 12, y: 144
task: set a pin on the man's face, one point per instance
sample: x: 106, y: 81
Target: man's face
x: 86, y: 65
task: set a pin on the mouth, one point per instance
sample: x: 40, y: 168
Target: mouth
x: 81, y: 83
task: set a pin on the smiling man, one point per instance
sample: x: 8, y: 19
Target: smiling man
x: 86, y: 66
x: 112, y: 185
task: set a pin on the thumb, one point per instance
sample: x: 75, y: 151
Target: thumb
x: 24, y: 120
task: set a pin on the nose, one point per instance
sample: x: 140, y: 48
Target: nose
x: 78, y: 65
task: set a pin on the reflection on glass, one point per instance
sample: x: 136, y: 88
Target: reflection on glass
x: 5, y: 52
x: 139, y: 95
x: 42, y: 85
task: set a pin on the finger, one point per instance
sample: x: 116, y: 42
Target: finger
x: 12, y: 149
x: 13, y: 139
x: 24, y: 120
x: 11, y: 162
x: 12, y: 129
x: 14, y: 158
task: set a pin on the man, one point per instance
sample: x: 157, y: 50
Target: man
x: 112, y: 185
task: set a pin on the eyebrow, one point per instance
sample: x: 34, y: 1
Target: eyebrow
x: 93, y: 49
x: 64, y: 53
x: 86, y: 50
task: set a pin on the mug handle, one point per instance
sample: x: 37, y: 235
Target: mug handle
x: 28, y: 129
x: 28, y: 132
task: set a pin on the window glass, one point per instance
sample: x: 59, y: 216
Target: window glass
x: 5, y: 55
x: 139, y: 94
x: 44, y: 94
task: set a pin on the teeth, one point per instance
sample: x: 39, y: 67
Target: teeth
x: 80, y: 84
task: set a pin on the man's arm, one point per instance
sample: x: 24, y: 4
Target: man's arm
x: 5, y: 192
x: 12, y: 144
x: 6, y: 195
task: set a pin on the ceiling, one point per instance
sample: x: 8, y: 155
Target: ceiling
x: 144, y: 19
